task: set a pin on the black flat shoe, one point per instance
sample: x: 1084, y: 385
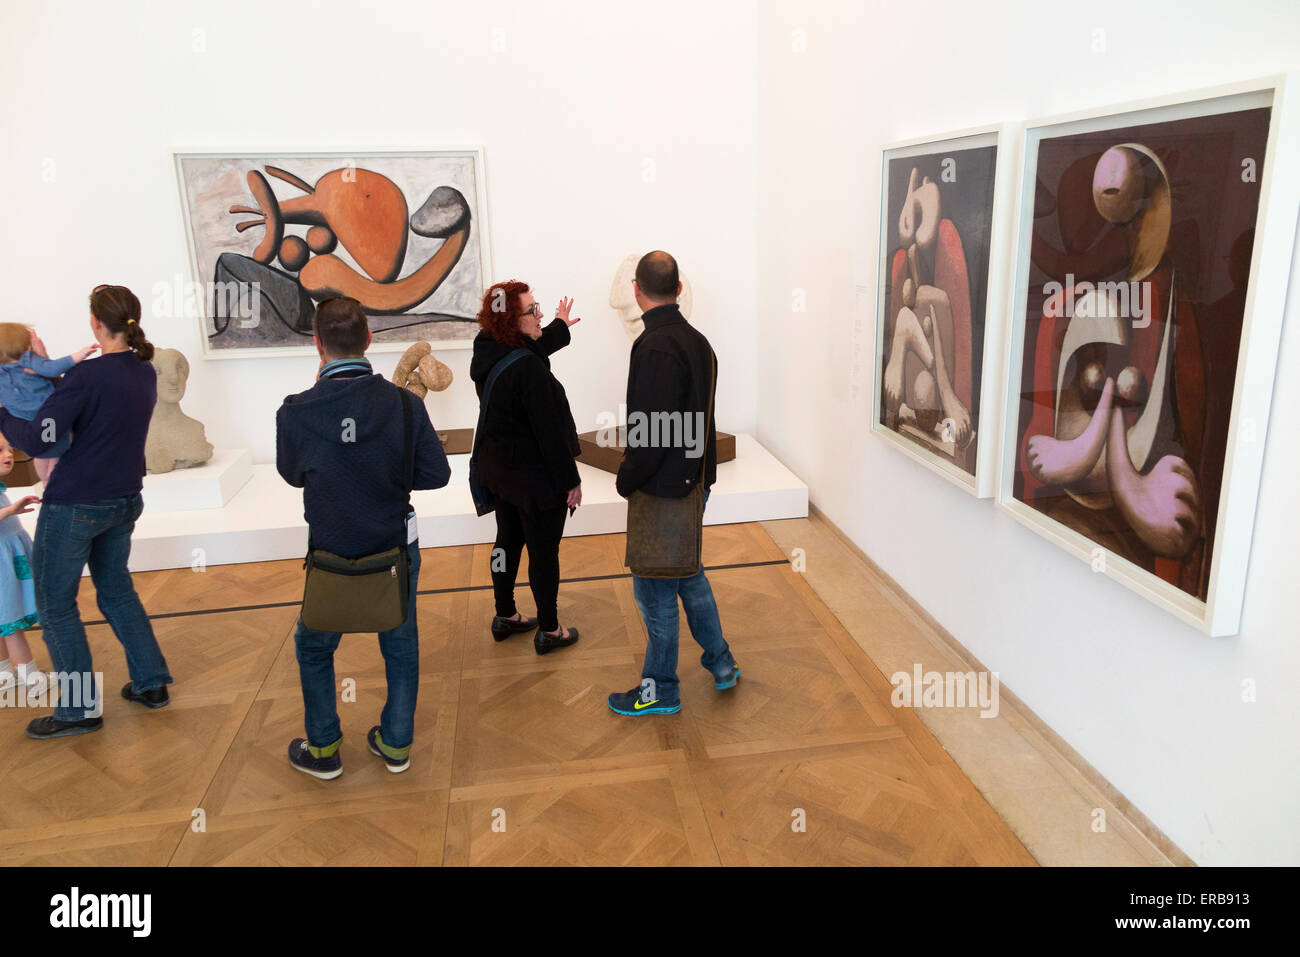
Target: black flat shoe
x: 503, y: 628
x: 542, y: 642
x: 52, y: 727
x: 153, y: 698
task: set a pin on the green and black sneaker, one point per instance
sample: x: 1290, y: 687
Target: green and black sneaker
x: 315, y: 761
x: 397, y: 759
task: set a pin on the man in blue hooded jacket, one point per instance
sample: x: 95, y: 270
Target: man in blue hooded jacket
x: 342, y: 443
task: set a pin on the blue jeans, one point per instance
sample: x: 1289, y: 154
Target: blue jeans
x: 401, y: 650
x: 657, y: 599
x: 67, y: 538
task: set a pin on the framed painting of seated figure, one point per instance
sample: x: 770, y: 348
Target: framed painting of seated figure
x: 1154, y: 251
x: 940, y: 298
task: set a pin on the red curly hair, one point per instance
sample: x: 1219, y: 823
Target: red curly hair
x: 501, y: 311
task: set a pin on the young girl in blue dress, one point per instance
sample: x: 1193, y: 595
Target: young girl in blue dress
x: 17, y: 593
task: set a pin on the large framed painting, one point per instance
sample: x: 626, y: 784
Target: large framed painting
x: 272, y: 234
x: 1154, y: 251
x: 940, y: 299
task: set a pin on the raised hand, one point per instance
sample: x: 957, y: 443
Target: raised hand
x: 562, y: 312
x: 85, y: 352
x: 20, y: 507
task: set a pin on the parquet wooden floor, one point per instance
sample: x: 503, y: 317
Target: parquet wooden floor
x: 517, y: 759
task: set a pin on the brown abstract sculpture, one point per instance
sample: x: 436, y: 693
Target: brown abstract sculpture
x: 366, y: 213
x: 420, y: 371
x: 175, y: 441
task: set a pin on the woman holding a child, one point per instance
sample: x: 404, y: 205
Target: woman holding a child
x: 89, y: 508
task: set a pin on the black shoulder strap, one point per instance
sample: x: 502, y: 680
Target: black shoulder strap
x: 709, y: 436
x: 497, y: 369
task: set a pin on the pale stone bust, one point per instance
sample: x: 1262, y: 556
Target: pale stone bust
x: 175, y: 440
x: 624, y: 302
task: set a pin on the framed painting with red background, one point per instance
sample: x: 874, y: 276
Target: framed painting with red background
x: 944, y: 219
x: 1154, y: 249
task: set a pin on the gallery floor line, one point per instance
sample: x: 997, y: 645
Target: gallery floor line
x: 423, y: 591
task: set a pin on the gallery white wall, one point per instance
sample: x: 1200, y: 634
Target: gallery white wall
x: 1154, y: 705
x: 597, y: 142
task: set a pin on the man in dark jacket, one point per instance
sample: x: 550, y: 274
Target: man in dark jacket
x: 671, y: 446
x: 342, y: 443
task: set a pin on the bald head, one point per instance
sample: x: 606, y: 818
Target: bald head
x: 656, y: 277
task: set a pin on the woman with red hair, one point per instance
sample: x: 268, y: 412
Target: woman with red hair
x: 524, y: 454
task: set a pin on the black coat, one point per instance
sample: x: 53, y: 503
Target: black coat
x: 670, y: 389
x: 528, y: 443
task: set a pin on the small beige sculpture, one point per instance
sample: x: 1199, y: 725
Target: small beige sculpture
x: 624, y: 302
x: 175, y: 440
x: 420, y: 371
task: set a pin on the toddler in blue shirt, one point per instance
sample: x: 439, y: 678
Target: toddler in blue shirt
x: 27, y: 379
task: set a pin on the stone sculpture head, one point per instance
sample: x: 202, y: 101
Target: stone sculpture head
x: 173, y: 373
x: 622, y: 298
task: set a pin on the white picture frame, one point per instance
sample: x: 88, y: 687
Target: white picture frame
x: 479, y: 245
x: 982, y: 482
x: 1219, y: 614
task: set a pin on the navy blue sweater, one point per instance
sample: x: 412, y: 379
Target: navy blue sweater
x: 341, y: 443
x: 106, y: 402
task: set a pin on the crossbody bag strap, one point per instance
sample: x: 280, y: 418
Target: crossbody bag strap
x: 708, y: 419
x: 408, y: 457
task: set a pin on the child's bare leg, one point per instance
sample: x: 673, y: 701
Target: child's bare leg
x: 44, y: 467
x: 24, y: 666
x: 19, y: 651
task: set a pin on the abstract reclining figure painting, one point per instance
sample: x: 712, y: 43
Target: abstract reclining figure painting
x: 1137, y: 236
x: 272, y: 235
x: 936, y: 237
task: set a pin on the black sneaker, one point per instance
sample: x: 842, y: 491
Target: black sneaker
x: 503, y: 628
x: 153, y: 698
x: 396, y: 765
x: 542, y: 642
x: 300, y: 757
x: 52, y: 727
x: 638, y: 702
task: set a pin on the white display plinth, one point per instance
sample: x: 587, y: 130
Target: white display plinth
x: 210, y: 485
x: 264, y: 520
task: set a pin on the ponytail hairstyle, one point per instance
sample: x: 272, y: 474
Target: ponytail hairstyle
x: 117, y: 308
